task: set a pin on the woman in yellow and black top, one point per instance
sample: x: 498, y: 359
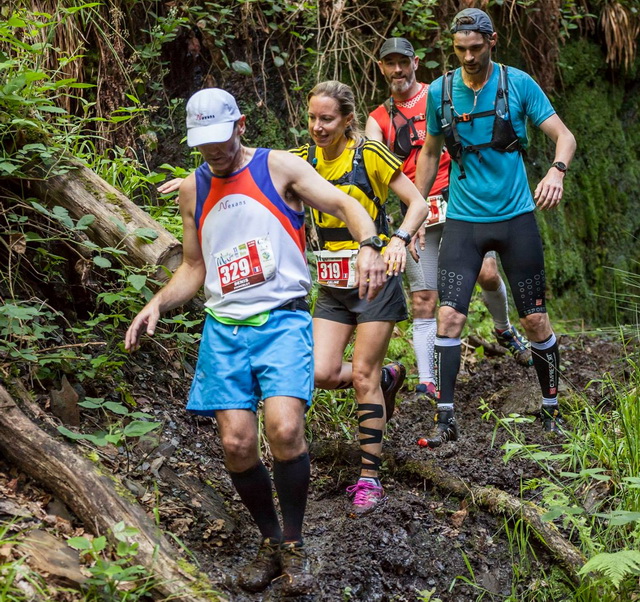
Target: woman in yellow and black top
x: 364, y: 169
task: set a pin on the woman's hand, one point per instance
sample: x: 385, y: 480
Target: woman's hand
x: 395, y: 255
x: 171, y: 186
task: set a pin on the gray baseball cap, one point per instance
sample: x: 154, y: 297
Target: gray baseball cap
x: 473, y: 19
x: 397, y: 46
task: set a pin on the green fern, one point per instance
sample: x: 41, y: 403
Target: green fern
x: 614, y: 566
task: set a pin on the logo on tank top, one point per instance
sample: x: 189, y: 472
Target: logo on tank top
x: 231, y: 204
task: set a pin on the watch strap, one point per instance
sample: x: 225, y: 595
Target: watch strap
x: 403, y: 236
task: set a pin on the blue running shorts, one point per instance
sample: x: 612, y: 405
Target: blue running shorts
x: 240, y: 365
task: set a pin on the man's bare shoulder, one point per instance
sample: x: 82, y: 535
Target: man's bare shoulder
x: 287, y: 167
x: 187, y: 197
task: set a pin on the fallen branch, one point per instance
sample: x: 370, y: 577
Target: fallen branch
x: 93, y: 498
x: 490, y: 349
x: 83, y: 192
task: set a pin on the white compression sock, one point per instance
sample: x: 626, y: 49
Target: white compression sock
x: 424, y: 338
x: 498, y: 306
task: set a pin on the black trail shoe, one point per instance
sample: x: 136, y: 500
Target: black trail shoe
x: 551, y: 420
x: 257, y: 575
x: 445, y: 429
x: 297, y: 579
x: 393, y: 376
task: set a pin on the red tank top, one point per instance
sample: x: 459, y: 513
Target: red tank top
x: 413, y: 107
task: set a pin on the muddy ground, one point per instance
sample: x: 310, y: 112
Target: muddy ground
x: 423, y: 540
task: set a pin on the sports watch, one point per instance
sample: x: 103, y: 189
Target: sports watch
x: 402, y: 235
x: 560, y: 166
x: 373, y: 241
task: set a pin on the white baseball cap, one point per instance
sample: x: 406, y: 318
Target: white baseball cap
x: 211, y: 114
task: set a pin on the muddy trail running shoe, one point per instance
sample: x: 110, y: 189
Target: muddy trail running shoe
x: 258, y: 574
x: 551, y: 421
x: 444, y: 430
x: 516, y: 345
x: 427, y: 390
x: 365, y: 497
x: 297, y: 579
x: 393, y: 376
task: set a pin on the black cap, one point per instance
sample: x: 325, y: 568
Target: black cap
x: 473, y: 19
x: 397, y: 46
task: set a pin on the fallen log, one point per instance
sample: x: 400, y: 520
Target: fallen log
x: 493, y: 500
x: 96, y: 500
x: 490, y: 349
x: 82, y: 192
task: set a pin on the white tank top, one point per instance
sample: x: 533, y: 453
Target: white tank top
x: 252, y: 242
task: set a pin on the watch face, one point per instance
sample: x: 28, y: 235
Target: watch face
x: 560, y: 165
x: 373, y: 241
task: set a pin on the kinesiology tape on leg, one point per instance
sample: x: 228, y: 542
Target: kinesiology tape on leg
x: 367, y: 411
x: 291, y: 478
x: 546, y: 360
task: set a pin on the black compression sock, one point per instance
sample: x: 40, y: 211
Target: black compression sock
x: 446, y: 364
x: 254, y: 488
x: 546, y: 360
x: 291, y: 479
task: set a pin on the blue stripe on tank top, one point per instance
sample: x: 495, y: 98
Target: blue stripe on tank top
x: 203, y: 186
x: 260, y: 171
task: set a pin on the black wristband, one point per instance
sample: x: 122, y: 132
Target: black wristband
x: 403, y: 236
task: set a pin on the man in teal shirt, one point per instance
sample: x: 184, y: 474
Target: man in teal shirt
x: 480, y: 112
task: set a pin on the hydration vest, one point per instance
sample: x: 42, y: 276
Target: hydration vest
x: 406, y: 138
x: 359, y: 178
x: 503, y: 138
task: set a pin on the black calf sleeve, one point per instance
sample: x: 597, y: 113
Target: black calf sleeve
x: 546, y: 361
x: 291, y: 479
x: 254, y: 488
x: 446, y: 365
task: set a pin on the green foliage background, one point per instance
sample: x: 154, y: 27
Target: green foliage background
x: 591, y: 241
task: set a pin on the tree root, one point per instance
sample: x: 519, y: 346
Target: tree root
x: 495, y: 501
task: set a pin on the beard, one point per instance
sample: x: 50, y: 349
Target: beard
x: 472, y: 69
x: 400, y: 86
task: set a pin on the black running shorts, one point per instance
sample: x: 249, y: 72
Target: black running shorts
x: 518, y: 243
x: 344, y: 306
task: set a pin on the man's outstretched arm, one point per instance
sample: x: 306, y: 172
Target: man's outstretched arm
x: 296, y: 175
x: 548, y: 192
x: 185, y: 282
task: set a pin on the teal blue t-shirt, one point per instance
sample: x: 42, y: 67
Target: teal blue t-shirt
x: 496, y: 186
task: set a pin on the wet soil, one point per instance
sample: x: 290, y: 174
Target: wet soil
x: 421, y: 541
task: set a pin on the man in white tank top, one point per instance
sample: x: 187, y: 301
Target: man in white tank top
x: 243, y: 220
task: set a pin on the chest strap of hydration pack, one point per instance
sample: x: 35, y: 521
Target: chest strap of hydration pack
x: 357, y: 176
x: 503, y: 138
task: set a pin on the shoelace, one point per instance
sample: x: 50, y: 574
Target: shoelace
x: 361, y: 492
x: 265, y: 553
x: 295, y: 556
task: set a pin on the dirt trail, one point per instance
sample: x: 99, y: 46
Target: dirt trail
x: 421, y: 541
